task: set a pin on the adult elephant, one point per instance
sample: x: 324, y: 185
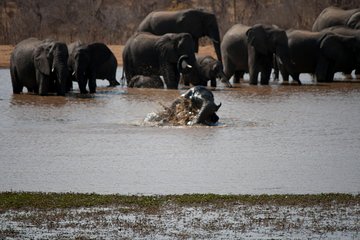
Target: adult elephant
x: 209, y: 69
x: 88, y: 62
x: 334, y: 16
x: 252, y: 50
x: 320, y: 53
x: 167, y: 55
x: 341, y: 30
x: 198, y: 23
x: 40, y: 66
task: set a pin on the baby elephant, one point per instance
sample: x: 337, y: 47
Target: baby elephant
x: 203, y: 100
x: 195, y: 106
x: 141, y: 81
x: 208, y: 69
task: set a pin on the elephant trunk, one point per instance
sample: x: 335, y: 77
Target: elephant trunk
x: 224, y: 79
x: 188, y: 66
x: 207, y: 114
x: 62, y: 76
x: 170, y: 74
x: 183, y: 65
x: 283, y: 56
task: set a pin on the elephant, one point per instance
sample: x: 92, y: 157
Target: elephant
x: 334, y: 16
x: 198, y: 23
x: 195, y: 106
x: 40, y: 66
x: 167, y: 55
x: 88, y: 62
x: 141, y: 81
x: 320, y: 53
x: 208, y: 69
x: 347, y: 32
x: 202, y: 99
x: 252, y: 49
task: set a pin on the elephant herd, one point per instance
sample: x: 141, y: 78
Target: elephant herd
x: 49, y: 66
x: 332, y: 46
x: 163, y: 52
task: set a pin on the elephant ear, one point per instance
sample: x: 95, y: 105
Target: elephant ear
x: 41, y: 60
x: 354, y: 21
x: 165, y: 46
x: 332, y: 46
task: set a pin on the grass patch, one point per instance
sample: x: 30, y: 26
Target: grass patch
x: 39, y: 200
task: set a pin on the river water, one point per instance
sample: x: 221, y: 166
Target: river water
x: 270, y: 139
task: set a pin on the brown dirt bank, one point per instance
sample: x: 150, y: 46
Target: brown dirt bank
x: 5, y: 51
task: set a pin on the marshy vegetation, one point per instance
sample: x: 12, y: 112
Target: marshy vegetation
x: 200, y: 216
x: 39, y: 200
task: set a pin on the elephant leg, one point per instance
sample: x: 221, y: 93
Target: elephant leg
x: 113, y: 83
x: 295, y: 76
x: 128, y: 71
x: 17, y: 87
x: 69, y: 84
x: 322, y: 69
x: 265, y: 76
x: 330, y: 76
x: 82, y: 86
x: 357, y: 72
x: 266, y: 67
x: 237, y: 76
x: 285, y: 75
x: 253, y: 72
x: 229, y: 69
x: 213, y: 82
x: 112, y: 80
x: 53, y: 84
x: 92, y: 84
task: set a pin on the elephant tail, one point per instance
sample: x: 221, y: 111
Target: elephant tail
x: 128, y: 70
x: 122, y: 80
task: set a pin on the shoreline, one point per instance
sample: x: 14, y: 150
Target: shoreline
x: 190, y: 216
x: 5, y: 52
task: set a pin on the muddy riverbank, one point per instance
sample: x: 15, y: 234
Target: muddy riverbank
x: 90, y: 216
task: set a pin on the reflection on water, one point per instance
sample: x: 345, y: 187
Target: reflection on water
x: 271, y: 139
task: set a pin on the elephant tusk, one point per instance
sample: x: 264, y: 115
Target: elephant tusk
x: 185, y: 65
x: 73, y: 73
x: 53, y: 69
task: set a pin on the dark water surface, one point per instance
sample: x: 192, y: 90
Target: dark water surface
x: 271, y: 139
